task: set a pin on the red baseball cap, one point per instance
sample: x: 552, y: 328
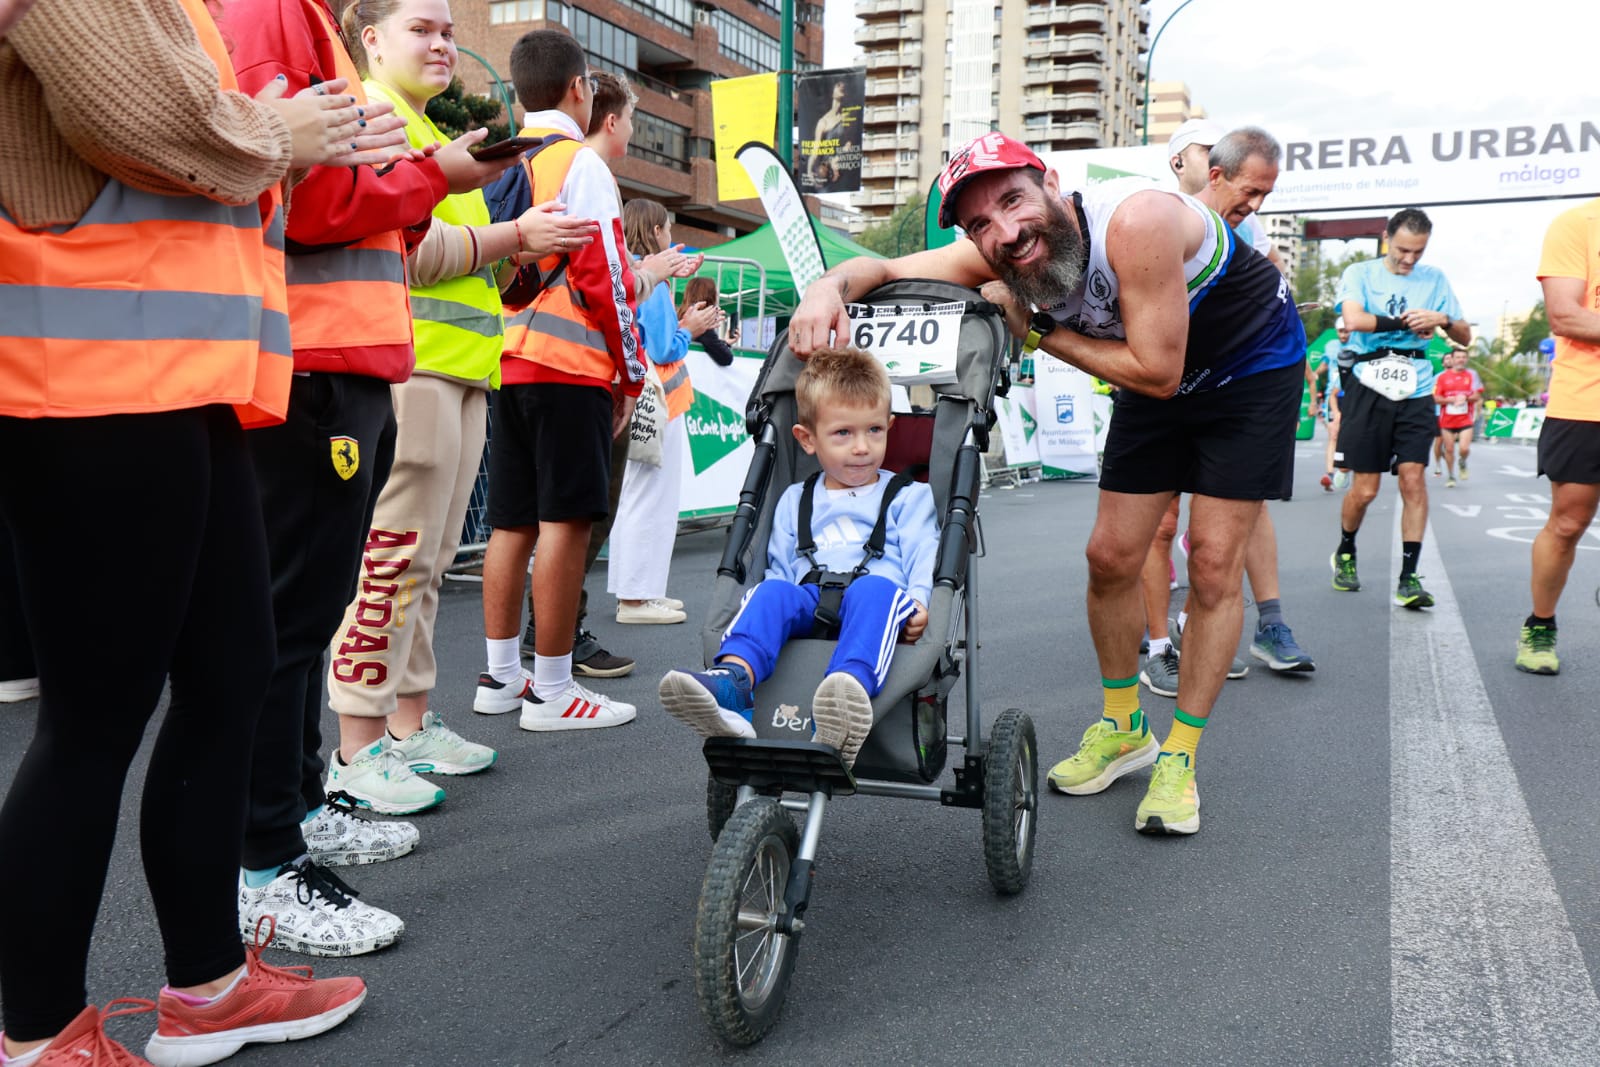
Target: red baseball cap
x: 993, y: 151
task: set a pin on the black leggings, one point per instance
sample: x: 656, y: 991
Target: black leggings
x: 141, y: 556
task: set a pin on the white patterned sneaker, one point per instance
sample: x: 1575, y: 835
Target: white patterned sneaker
x: 379, y: 780
x: 497, y: 698
x: 336, y: 838
x: 316, y: 913
x: 437, y: 749
x: 576, y: 708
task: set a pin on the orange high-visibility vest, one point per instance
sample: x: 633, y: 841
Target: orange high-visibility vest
x: 675, y: 383
x: 554, y: 331
x: 92, y: 322
x: 354, y: 296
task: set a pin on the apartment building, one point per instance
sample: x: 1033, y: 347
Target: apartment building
x: 1170, y: 107
x: 939, y: 72
x: 671, y: 50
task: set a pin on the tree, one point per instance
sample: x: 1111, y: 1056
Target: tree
x: 901, y: 233
x: 1504, y: 375
x: 1318, y: 279
x: 1532, y: 330
x: 455, y: 111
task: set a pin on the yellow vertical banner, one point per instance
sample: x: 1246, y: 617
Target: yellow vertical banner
x: 742, y: 110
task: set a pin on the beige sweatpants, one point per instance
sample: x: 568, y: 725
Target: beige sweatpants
x: 384, y: 647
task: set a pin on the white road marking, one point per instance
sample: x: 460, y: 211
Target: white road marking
x: 1484, y: 967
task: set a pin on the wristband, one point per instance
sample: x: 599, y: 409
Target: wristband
x: 517, y: 226
x: 1388, y: 324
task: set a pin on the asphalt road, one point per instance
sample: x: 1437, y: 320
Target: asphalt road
x: 1395, y: 863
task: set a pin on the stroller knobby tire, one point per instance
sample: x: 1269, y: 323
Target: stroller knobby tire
x: 742, y: 962
x: 720, y: 800
x: 1010, y: 801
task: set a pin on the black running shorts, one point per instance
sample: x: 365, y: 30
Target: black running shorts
x: 1569, y: 451
x: 549, y: 454
x: 1236, y: 442
x: 1377, y: 434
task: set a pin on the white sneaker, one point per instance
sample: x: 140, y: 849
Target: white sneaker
x: 841, y: 711
x: 497, y: 698
x: 576, y: 708
x: 18, y: 689
x: 380, y: 780
x: 670, y: 601
x: 437, y: 749
x: 316, y: 913
x: 336, y: 838
x: 656, y: 612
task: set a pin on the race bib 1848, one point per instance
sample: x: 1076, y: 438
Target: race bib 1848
x: 1393, y: 376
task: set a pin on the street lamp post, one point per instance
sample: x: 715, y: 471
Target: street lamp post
x: 785, y: 145
x: 1149, y: 59
x: 506, y: 99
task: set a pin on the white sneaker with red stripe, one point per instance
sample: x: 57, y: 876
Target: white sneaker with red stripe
x: 576, y: 708
x: 497, y: 698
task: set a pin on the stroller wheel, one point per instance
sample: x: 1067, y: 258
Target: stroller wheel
x: 1010, y: 801
x: 742, y: 961
x: 720, y: 800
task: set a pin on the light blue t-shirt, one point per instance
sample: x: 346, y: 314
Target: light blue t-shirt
x: 841, y: 523
x: 1380, y: 291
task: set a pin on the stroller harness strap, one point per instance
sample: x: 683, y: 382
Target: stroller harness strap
x: 832, y: 584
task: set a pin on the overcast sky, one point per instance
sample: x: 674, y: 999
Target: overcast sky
x: 1306, y: 70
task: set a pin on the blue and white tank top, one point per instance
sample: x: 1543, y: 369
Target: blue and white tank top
x: 1242, y: 319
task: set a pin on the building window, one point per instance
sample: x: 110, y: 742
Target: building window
x: 502, y: 12
x: 675, y: 14
x: 659, y: 141
x: 612, y: 47
x: 742, y: 42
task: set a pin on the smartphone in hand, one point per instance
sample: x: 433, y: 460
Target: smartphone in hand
x: 511, y: 146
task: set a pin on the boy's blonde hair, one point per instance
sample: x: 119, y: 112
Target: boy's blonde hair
x: 839, y: 375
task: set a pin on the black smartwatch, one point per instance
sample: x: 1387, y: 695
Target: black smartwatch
x: 1039, y: 328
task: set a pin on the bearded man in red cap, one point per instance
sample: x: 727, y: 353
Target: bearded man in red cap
x: 1150, y: 291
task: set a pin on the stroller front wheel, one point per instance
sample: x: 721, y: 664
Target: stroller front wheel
x: 742, y: 960
x: 720, y: 801
x: 1010, y: 801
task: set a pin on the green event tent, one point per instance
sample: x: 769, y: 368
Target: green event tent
x: 745, y: 282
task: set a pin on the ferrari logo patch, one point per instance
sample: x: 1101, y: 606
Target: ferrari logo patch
x: 346, y: 456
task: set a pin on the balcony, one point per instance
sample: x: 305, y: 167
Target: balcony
x: 1062, y: 105
x: 893, y: 87
x: 1086, y: 76
x: 873, y: 33
x: 1078, y: 46
x: 1033, y: 77
x: 907, y: 59
x: 880, y: 142
x: 868, y: 8
x: 881, y: 116
x: 899, y: 168
x: 1069, y: 135
x: 1087, y: 18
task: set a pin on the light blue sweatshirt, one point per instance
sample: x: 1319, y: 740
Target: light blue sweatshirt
x: 841, y: 522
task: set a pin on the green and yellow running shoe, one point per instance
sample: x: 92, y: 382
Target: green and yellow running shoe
x: 1172, y: 803
x: 1410, y: 594
x: 1344, y: 572
x: 1536, y: 650
x: 1104, y: 756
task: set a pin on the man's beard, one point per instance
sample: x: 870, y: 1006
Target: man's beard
x: 1058, y: 275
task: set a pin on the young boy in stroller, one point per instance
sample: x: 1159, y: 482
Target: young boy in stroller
x: 842, y: 403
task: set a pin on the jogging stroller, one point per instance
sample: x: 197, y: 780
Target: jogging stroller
x: 758, y: 882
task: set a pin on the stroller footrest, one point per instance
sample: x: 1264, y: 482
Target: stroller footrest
x: 778, y: 766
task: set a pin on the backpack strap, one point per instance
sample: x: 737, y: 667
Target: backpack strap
x: 542, y: 281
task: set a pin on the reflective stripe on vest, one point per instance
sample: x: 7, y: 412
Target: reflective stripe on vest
x: 457, y: 322
x: 355, y: 296
x: 93, y: 323
x: 555, y: 331
x: 675, y: 383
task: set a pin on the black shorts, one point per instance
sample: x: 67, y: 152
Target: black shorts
x: 550, y: 458
x: 1377, y: 434
x: 1236, y: 443
x: 1569, y: 451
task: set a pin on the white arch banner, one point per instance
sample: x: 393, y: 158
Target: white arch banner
x: 1376, y: 167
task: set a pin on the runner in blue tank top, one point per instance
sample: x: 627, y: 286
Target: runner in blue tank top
x: 1150, y: 291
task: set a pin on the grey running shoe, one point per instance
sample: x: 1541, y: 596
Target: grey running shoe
x: 1160, y: 673
x: 1237, y: 668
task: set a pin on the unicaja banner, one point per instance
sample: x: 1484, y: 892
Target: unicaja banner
x: 1376, y: 167
x: 787, y: 212
x: 828, y: 112
x: 742, y: 110
x: 1063, y: 398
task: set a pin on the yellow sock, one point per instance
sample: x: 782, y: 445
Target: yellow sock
x: 1122, y: 703
x: 1185, y: 735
